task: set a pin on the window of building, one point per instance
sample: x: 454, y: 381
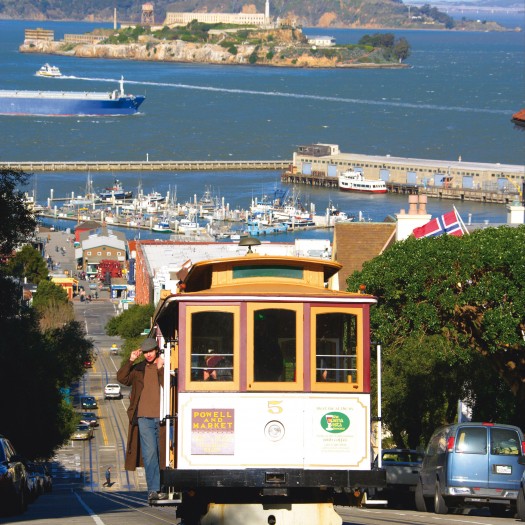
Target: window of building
x: 99, y: 253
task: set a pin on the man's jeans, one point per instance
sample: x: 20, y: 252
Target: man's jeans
x: 149, y: 442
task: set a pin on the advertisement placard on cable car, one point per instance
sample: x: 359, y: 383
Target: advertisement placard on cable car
x: 283, y: 430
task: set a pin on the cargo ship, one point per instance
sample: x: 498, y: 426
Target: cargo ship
x: 519, y: 118
x: 69, y: 103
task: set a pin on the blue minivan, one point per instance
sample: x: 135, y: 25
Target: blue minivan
x: 472, y: 464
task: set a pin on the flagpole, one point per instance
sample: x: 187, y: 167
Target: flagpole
x: 462, y: 224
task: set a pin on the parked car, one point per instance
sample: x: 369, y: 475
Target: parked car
x: 402, y: 468
x: 89, y: 418
x: 83, y: 432
x: 112, y: 391
x: 88, y: 402
x: 46, y: 476
x: 88, y: 363
x: 13, y: 480
x: 35, y: 481
x: 472, y: 464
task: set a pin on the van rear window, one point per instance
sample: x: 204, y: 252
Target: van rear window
x: 504, y: 442
x: 472, y: 440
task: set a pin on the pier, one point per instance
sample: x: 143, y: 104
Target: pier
x: 148, y: 165
x: 490, y: 194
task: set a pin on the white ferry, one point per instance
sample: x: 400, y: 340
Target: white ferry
x: 355, y: 181
x: 49, y: 71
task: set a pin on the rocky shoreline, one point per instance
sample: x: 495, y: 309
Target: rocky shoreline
x: 187, y: 52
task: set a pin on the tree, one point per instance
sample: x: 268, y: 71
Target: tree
x: 467, y: 295
x: 35, y: 363
x: 17, y: 222
x: 401, y: 49
x: 52, y: 304
x: 131, y: 322
x: 28, y: 263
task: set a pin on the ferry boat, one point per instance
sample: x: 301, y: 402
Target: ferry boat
x: 69, y: 103
x: 519, y: 118
x: 49, y: 71
x: 355, y: 181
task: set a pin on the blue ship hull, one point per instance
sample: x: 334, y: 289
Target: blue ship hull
x: 56, y: 103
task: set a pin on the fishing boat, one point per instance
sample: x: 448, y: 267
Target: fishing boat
x: 116, y: 192
x: 162, y: 227
x: 49, y: 71
x: 355, y: 181
x: 188, y: 225
x: 519, y: 118
x: 69, y: 103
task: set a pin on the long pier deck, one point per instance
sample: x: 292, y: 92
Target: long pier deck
x: 159, y: 165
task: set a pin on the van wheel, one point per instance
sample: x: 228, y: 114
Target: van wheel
x: 520, y: 504
x: 421, y: 504
x: 440, y: 507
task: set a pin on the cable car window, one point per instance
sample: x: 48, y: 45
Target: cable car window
x: 274, y: 345
x: 212, y: 346
x: 336, y: 348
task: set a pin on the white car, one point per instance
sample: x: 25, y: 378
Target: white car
x: 112, y: 391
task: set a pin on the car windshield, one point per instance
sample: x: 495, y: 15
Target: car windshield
x: 82, y: 427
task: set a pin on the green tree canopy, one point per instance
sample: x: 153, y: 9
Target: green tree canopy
x: 35, y: 362
x: 131, y: 322
x: 401, y: 49
x: 17, y: 223
x: 28, y: 263
x: 463, y: 301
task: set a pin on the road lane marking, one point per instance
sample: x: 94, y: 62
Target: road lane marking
x: 94, y: 516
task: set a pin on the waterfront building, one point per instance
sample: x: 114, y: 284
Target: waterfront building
x: 99, y: 245
x: 327, y: 161
x: 184, y: 18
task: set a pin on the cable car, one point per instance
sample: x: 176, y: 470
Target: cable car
x: 268, y: 405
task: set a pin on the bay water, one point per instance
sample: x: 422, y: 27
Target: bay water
x: 455, y: 101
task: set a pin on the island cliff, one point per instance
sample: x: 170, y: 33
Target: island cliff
x: 280, y: 48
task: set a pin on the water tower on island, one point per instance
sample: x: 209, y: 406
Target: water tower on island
x: 147, y: 18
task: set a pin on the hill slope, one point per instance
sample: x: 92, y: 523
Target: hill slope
x: 310, y: 13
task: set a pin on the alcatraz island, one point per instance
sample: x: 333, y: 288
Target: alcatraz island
x: 222, y: 38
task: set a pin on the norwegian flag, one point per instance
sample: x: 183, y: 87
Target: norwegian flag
x: 448, y: 223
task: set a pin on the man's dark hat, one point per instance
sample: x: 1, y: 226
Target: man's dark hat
x: 148, y: 344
